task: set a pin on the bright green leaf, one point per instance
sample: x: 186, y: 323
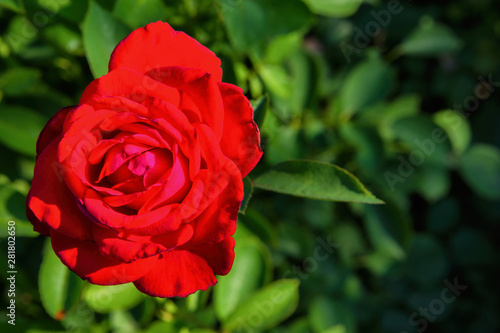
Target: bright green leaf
x: 430, y: 39
x: 334, y: 8
x: 315, y: 180
x: 271, y: 304
x: 101, y: 33
x: 105, y: 299
x: 480, y: 168
x: 246, y: 275
x: 11, y: 4
x: 457, y: 127
x: 55, y: 285
x: 19, y: 128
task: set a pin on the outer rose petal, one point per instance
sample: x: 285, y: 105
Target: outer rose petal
x: 52, y: 129
x: 240, y: 137
x: 158, y: 45
x: 50, y: 200
x: 177, y: 273
x: 83, y: 258
x: 219, y: 256
x: 38, y: 226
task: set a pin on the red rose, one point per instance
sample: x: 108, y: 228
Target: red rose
x: 142, y: 180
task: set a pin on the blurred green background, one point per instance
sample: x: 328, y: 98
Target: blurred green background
x: 403, y: 94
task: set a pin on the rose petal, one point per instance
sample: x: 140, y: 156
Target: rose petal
x: 201, y: 88
x: 126, y: 250
x: 177, y: 273
x: 128, y: 84
x: 240, y: 138
x: 52, y: 129
x: 50, y: 200
x: 158, y: 45
x: 83, y: 258
x: 220, y: 256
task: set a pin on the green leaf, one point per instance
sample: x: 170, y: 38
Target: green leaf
x: 20, y: 127
x: 106, y: 299
x: 56, y: 284
x: 19, y: 81
x: 65, y: 39
x: 426, y: 141
x: 12, y: 207
x: 430, y: 39
x: 145, y: 11
x: 250, y: 24
x: 334, y: 8
x: 246, y: 276
x: 276, y: 79
x: 12, y: 5
x: 369, y: 82
x: 248, y: 187
x: 457, y: 127
x: 315, y: 180
x: 480, y: 168
x: 388, y: 229
x: 427, y: 261
x: 325, y: 314
x: 271, y: 305
x: 433, y: 182
x: 101, y: 33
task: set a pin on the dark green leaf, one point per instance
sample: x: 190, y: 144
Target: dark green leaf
x: 389, y: 230
x: 427, y: 142
x: 19, y: 81
x: 145, y: 11
x: 315, y: 180
x: 12, y: 207
x: 369, y: 82
x: 248, y: 187
x: 260, y: 108
x: 480, y: 168
x: 325, y: 314
x: 427, y: 261
x: 19, y: 128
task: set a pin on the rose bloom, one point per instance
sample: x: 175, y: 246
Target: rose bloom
x: 142, y: 180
